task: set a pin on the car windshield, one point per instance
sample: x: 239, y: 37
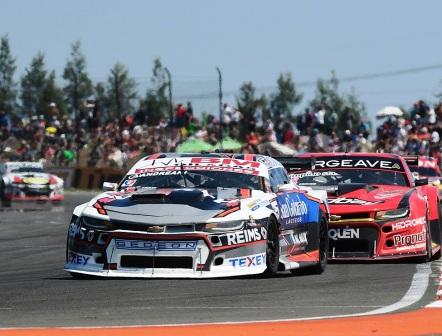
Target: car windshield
x: 194, y: 179
x: 332, y: 177
x: 27, y: 170
x: 423, y: 171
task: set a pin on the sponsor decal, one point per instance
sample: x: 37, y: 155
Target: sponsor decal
x: 78, y: 259
x: 291, y: 208
x: 343, y: 233
x: 351, y: 201
x: 75, y: 230
x: 300, y: 238
x: 294, y: 241
x: 411, y: 239
x: 133, y: 177
x: 408, y: 223
x: 269, y: 163
x: 36, y: 180
x: 245, y: 236
x: 358, y: 163
x: 296, y: 208
x: 427, y: 163
x: 249, y: 261
x: 129, y: 182
x: 387, y: 194
x: 317, y: 173
x: 187, y: 245
x: 259, y: 204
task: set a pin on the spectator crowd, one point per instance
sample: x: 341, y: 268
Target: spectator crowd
x: 60, y: 140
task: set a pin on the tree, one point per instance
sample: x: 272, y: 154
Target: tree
x: 52, y: 93
x: 157, y: 101
x: 39, y: 89
x: 286, y: 98
x: 348, y: 107
x: 121, y: 91
x: 33, y: 85
x: 248, y: 104
x: 78, y: 85
x: 8, y: 92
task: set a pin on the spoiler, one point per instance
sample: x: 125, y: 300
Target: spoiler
x: 411, y: 160
x: 293, y: 164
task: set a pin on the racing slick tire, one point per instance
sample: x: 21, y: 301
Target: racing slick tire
x: 320, y: 267
x: 5, y: 202
x: 428, y: 256
x: 272, y: 251
x: 437, y: 255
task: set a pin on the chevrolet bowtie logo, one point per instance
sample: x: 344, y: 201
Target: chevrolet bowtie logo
x: 155, y: 229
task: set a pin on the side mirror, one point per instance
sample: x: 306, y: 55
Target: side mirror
x: 285, y: 187
x: 421, y: 182
x: 109, y: 186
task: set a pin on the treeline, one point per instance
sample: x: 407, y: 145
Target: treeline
x: 119, y: 94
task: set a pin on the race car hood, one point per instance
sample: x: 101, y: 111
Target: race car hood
x: 359, y: 197
x: 171, y: 206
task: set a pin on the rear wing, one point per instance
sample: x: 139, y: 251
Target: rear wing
x: 294, y: 164
x: 411, y: 160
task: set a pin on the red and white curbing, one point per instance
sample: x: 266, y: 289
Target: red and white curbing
x: 438, y: 278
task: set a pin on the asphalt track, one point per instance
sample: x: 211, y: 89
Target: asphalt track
x: 35, y: 291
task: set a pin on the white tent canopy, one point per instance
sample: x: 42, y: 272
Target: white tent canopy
x: 389, y: 111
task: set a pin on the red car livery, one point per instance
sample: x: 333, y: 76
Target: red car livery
x: 424, y: 167
x: 378, y: 211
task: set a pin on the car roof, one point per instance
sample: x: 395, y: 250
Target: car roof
x: 266, y: 162
x: 346, y: 154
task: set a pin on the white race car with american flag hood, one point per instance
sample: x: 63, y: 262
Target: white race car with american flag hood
x: 197, y: 216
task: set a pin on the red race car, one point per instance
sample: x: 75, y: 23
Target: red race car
x: 378, y: 211
x: 424, y: 167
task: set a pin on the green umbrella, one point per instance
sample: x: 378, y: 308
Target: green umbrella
x: 194, y: 146
x: 228, y: 144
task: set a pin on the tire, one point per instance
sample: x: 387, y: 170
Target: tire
x: 5, y: 202
x: 427, y: 258
x: 321, y: 265
x: 438, y: 253
x: 272, y: 250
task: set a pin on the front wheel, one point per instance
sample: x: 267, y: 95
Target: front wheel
x: 272, y: 251
x: 320, y: 266
x: 5, y: 202
x: 323, y: 247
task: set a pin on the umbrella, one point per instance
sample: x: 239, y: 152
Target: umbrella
x: 389, y: 111
x: 194, y: 146
x: 228, y: 144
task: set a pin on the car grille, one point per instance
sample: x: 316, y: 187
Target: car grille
x: 130, y: 261
x: 361, y: 247
x: 37, y: 191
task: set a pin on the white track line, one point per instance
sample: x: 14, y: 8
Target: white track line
x: 416, y: 291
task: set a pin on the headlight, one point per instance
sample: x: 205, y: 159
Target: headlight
x: 224, y: 226
x: 392, y: 214
x: 94, y: 223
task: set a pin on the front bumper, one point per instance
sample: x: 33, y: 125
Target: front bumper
x: 34, y: 193
x: 370, y: 240
x: 141, y: 255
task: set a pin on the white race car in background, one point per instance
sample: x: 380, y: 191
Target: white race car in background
x: 197, y: 216
x: 27, y: 181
